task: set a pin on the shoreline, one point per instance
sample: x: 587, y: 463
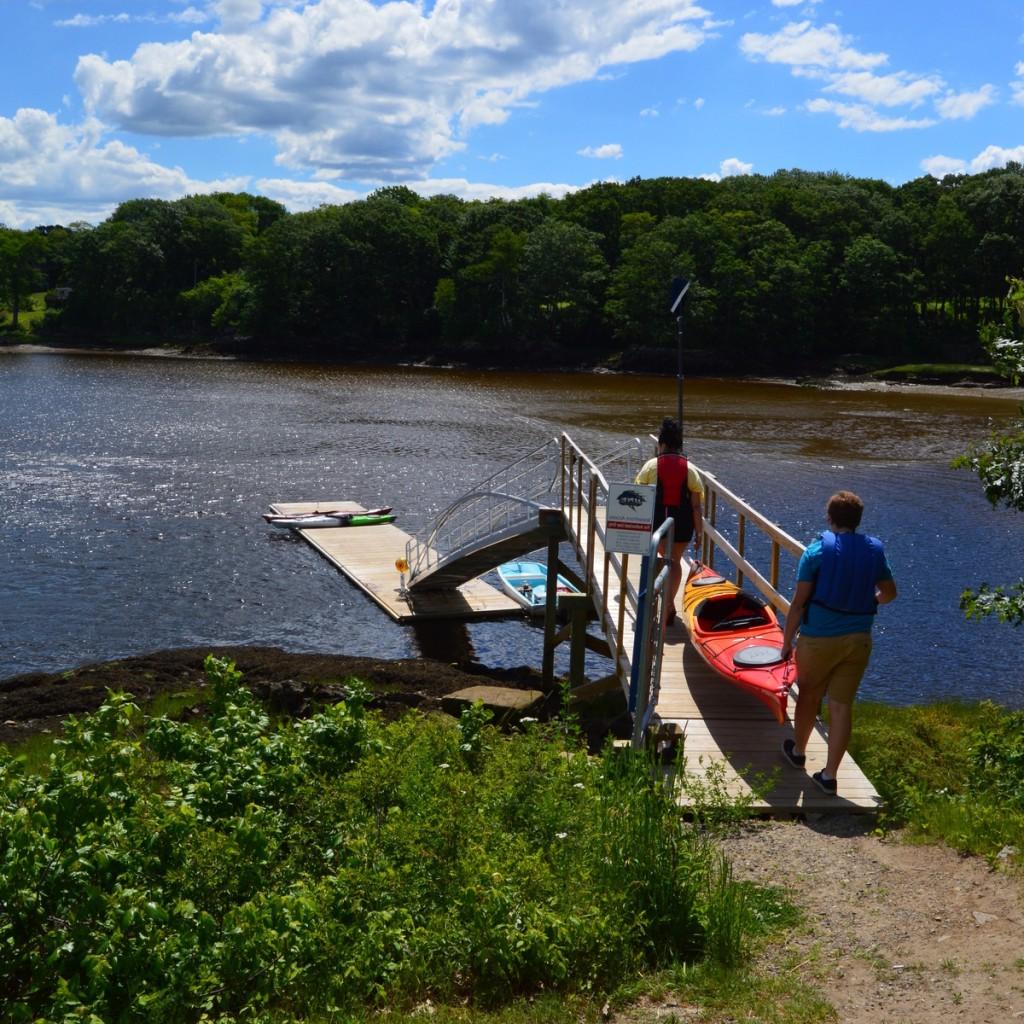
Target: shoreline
x: 830, y: 381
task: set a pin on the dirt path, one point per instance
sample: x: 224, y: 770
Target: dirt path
x: 893, y: 933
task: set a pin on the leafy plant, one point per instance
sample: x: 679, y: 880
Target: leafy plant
x: 166, y: 871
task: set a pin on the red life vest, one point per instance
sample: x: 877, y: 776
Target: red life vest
x: 673, y: 495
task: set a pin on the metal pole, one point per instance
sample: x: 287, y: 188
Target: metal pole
x: 679, y: 372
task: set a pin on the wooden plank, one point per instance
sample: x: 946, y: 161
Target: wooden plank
x: 366, y: 555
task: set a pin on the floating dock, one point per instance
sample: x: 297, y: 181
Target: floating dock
x: 366, y: 555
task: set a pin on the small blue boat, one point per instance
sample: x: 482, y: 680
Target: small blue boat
x: 527, y: 583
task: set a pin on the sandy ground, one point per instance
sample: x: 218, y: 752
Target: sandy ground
x: 893, y: 933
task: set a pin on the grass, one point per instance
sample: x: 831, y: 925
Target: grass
x: 937, y: 371
x: 950, y: 771
x: 27, y: 317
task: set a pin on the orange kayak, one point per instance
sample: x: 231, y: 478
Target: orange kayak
x: 739, y: 636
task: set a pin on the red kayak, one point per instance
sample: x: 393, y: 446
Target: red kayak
x: 739, y: 636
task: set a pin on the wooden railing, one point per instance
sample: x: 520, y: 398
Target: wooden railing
x: 718, y: 497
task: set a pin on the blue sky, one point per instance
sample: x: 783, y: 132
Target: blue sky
x: 314, y: 101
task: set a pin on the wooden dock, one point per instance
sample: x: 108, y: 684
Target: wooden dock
x: 717, y: 723
x: 729, y: 738
x: 366, y: 555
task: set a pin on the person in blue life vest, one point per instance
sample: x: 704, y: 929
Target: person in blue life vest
x: 679, y: 494
x: 842, y: 578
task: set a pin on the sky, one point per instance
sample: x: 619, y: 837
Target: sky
x: 322, y: 101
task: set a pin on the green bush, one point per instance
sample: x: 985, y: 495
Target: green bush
x: 170, y: 871
x: 947, y: 771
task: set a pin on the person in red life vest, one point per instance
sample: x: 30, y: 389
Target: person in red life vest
x: 842, y: 578
x: 679, y: 496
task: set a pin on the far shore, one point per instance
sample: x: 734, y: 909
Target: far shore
x: 836, y: 380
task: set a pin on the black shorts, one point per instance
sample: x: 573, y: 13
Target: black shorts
x: 684, y: 523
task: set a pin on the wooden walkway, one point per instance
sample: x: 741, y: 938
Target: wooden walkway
x: 720, y: 725
x: 367, y: 554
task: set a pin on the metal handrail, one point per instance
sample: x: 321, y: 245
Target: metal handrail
x: 584, y: 490
x: 507, y: 498
x: 648, y: 662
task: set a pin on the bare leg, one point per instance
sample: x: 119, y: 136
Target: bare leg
x: 674, y: 581
x: 840, y: 728
x: 804, y: 717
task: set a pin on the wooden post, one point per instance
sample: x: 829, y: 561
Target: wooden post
x: 578, y: 607
x: 554, y: 522
x: 741, y: 541
x: 591, y: 533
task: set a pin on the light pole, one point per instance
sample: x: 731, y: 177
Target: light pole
x: 680, y: 286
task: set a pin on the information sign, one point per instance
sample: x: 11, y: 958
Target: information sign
x: 630, y: 515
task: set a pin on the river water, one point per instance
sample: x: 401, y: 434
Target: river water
x: 131, y: 490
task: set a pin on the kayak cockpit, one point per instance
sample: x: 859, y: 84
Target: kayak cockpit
x: 725, y: 612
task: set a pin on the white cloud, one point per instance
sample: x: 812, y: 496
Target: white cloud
x: 375, y: 91
x: 992, y: 157
x: 92, y: 20
x: 649, y: 112
x: 731, y: 167
x: 802, y: 44
x: 609, y: 151
x: 774, y: 112
x: 895, y: 90
x: 940, y: 166
x: 1018, y: 93
x: 864, y: 119
x: 965, y: 105
x: 1020, y: 69
x: 189, y: 16
x: 236, y: 15
x: 793, y: 3
x: 61, y: 173
x: 699, y: 103
x: 826, y: 55
x: 297, y: 196
x: 988, y: 159
x: 305, y: 195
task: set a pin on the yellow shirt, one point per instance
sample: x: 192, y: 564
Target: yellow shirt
x: 649, y: 475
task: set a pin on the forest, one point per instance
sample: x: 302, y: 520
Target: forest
x: 792, y: 271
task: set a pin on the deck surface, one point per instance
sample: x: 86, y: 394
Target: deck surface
x: 721, y: 725
x: 367, y: 554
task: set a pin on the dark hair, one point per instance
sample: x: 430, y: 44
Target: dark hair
x: 845, y: 509
x: 671, y: 434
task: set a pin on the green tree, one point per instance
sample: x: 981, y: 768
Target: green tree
x: 999, y: 463
x: 21, y: 254
x: 564, y: 276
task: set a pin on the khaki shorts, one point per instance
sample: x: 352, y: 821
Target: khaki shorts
x: 832, y: 664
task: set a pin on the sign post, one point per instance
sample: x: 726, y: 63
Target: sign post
x: 628, y: 529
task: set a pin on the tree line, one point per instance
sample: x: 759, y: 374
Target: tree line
x: 789, y: 270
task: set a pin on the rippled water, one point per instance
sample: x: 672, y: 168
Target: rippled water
x: 131, y: 489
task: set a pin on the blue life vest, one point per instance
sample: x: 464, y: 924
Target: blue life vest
x: 851, y: 565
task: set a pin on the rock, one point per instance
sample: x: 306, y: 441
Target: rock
x: 982, y: 918
x: 499, y: 699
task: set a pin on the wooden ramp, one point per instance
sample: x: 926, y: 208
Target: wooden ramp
x: 721, y: 725
x: 367, y: 554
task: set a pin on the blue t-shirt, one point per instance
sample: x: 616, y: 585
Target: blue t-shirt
x: 821, y: 621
